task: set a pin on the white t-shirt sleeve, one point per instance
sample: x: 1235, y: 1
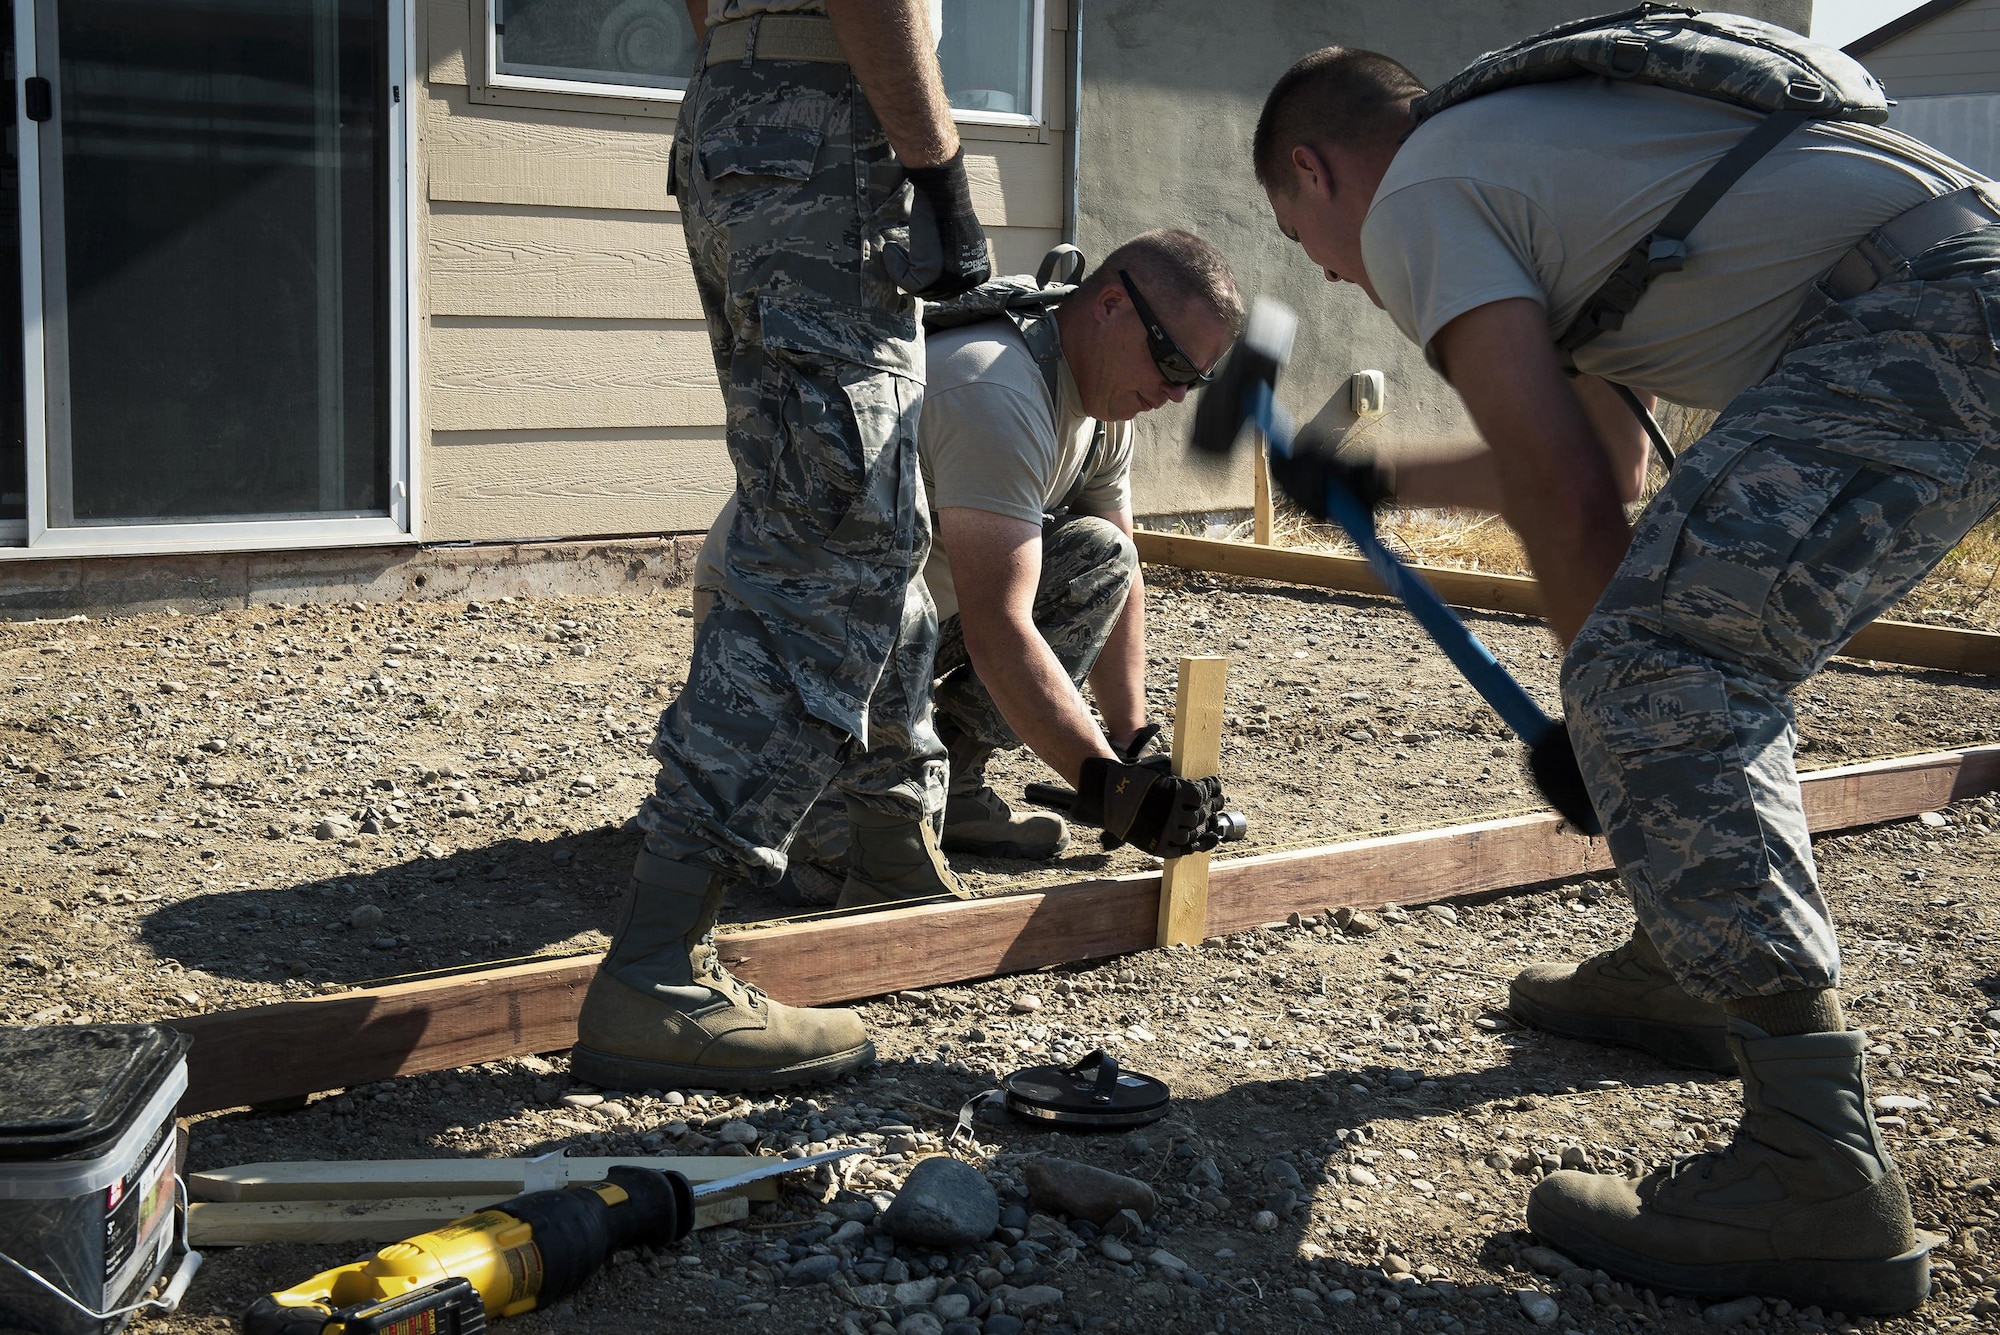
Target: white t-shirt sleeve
x: 1438, y: 248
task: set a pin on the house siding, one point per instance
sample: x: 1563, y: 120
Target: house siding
x: 567, y: 388
x: 1956, y: 52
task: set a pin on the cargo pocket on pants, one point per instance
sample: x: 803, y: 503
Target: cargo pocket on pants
x: 848, y: 463
x: 1682, y: 788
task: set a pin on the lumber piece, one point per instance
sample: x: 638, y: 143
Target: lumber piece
x: 496, y: 1179
x: 271, y: 1052
x: 262, y: 1053
x: 247, y: 1223
x: 1905, y: 642
x: 1197, y: 754
x: 1262, y: 516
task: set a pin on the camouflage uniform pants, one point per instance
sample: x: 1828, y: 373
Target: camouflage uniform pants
x: 820, y: 640
x: 1087, y: 570
x: 1821, y: 496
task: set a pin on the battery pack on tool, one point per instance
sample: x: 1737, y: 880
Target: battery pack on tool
x: 1091, y: 1094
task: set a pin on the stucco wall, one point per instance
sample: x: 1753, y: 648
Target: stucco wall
x: 1170, y: 98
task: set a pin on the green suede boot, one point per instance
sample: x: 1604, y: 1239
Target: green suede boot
x: 978, y: 821
x: 1805, y: 1204
x: 662, y: 1012
x: 893, y: 859
x: 1624, y: 996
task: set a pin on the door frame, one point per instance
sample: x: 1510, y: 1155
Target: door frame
x: 35, y: 539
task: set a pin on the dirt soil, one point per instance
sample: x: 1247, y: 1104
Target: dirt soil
x: 209, y: 812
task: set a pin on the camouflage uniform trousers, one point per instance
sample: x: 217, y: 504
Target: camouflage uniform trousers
x: 1088, y: 566
x: 821, y: 637
x: 1823, y: 494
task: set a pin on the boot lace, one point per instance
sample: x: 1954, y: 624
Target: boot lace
x: 724, y: 981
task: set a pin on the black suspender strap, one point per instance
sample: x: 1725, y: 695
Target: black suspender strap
x: 1666, y: 249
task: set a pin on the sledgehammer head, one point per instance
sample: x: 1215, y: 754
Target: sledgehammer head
x: 1256, y: 359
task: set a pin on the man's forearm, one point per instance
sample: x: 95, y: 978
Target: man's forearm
x: 889, y: 46
x: 1118, y: 679
x: 1035, y: 695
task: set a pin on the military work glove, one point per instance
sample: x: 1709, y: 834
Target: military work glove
x: 1145, y: 742
x: 1312, y: 464
x: 946, y: 254
x: 1147, y: 806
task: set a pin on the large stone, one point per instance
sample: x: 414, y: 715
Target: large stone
x: 944, y: 1203
x: 1063, y: 1186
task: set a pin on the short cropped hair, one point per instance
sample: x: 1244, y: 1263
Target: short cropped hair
x: 1338, y: 94
x: 1175, y: 270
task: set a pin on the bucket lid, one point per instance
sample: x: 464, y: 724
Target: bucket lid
x: 70, y: 1089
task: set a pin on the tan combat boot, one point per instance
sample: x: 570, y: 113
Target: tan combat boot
x: 1624, y: 996
x: 1805, y: 1204
x: 892, y: 859
x: 978, y: 820
x: 662, y: 1012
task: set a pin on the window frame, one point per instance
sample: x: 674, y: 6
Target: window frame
x: 33, y: 538
x: 489, y: 84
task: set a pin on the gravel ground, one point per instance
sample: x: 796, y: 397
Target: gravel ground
x: 216, y: 811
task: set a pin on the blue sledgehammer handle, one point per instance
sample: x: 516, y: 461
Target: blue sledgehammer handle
x: 1472, y: 658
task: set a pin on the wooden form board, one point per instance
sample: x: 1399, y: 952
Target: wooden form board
x: 1902, y: 642
x: 267, y: 1053
x: 1183, y: 917
x: 494, y: 1179
x: 248, y: 1223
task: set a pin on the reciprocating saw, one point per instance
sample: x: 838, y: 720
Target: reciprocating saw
x: 514, y: 1257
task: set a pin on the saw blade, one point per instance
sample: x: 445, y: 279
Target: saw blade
x: 774, y: 1168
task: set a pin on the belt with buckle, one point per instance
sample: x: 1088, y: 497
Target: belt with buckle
x: 775, y: 37
x: 1885, y: 254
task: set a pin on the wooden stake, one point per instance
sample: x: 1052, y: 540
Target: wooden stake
x: 1974, y: 651
x: 293, y: 1048
x: 1261, y: 518
x: 1197, y: 755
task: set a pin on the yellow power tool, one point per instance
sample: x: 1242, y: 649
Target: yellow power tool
x: 523, y: 1253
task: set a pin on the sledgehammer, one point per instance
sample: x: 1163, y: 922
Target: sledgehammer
x: 1243, y: 394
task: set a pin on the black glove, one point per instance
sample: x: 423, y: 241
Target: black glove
x: 1145, y: 805
x: 1304, y: 475
x: 946, y: 254
x: 1144, y: 743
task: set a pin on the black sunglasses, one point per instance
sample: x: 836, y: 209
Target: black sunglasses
x: 1176, y: 367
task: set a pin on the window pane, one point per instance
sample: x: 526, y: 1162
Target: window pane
x: 985, y: 49
x: 13, y: 454
x: 223, y: 212
x: 643, y: 43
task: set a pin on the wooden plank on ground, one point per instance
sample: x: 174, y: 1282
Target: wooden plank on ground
x: 248, y: 1223
x: 495, y: 1179
x: 1183, y: 918
x: 300, y: 1047
x: 266, y: 1053
x: 1913, y: 645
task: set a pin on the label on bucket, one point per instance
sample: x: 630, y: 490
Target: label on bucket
x: 137, y: 1209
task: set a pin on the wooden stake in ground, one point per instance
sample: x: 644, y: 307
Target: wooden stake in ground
x: 1261, y: 516
x: 1197, y: 755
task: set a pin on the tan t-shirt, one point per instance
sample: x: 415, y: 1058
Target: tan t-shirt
x: 1539, y: 191
x: 990, y: 439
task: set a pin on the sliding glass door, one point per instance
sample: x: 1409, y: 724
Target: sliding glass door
x: 213, y: 216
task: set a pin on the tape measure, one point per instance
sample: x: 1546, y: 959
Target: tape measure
x: 1093, y: 1094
